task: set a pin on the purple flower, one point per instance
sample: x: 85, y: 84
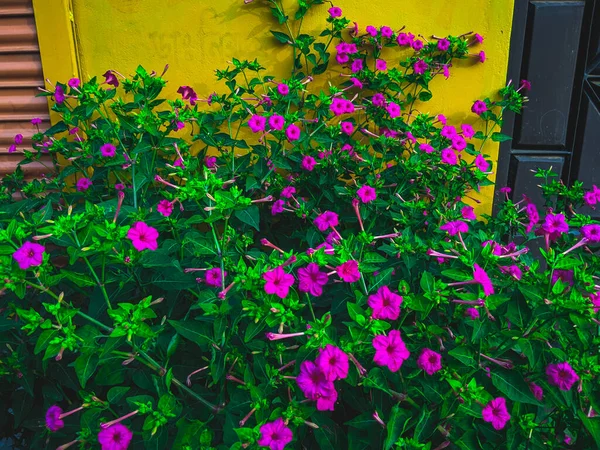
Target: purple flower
x: 164, y: 207
x: 276, y: 122
x: 292, y: 132
x: 482, y: 57
x: 591, y: 232
x: 115, y: 437
x: 326, y: 220
x: 311, y: 279
x: 429, y: 361
x: 420, y: 66
x: 390, y: 351
x: 74, y: 82
x: 278, y: 282
x: 187, y: 93
x: 496, y: 413
x: 108, y: 150
x: 111, y: 78
x: 308, y: 163
x: 555, y: 223
x: 277, y: 207
x: 481, y: 277
x: 561, y: 375
x: 468, y: 131
x: 481, y: 163
x: 472, y: 313
x: 566, y: 276
x: 347, y: 128
x: 366, y: 193
x: 275, y: 435
x: 36, y: 121
x: 335, y: 11
x: 83, y: 184
x: 479, y: 107
x: 380, y: 64
x: 449, y: 157
x: 443, y: 45
x: 372, y: 30
x: 59, y: 94
x: 333, y: 362
x: 18, y: 139
x: 385, y: 304
x: 348, y: 271
x: 283, y: 89
x: 454, y: 227
x: 468, y: 213
x: 387, y: 32
x: 393, y: 109
x: 212, y: 277
x: 288, y: 191
x: 417, y: 45
x: 312, y: 381
x: 53, y: 420
x: 257, y: 123
x: 426, y: 148
x: 537, y: 391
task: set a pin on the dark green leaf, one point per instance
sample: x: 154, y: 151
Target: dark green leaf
x: 85, y: 366
x: 194, y: 331
x: 250, y: 216
x: 511, y: 384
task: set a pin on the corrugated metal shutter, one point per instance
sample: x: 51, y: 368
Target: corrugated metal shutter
x: 20, y: 76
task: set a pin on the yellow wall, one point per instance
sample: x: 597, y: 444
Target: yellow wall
x: 197, y: 36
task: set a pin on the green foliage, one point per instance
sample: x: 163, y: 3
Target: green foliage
x: 174, y: 292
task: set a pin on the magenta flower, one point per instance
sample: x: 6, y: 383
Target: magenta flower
x: 446, y: 71
x: 478, y: 38
x: 495, y: 412
x: 335, y: 11
x: 74, y: 82
x: 59, y: 94
x: 111, y: 78
x: 385, y: 304
x: 115, y: 437
x: 119, y: 187
x: 276, y: 122
x: 292, y: 132
x: 387, y: 32
x: 333, y: 362
x: 288, y: 191
x: 53, y: 420
x: 595, y: 299
x: 326, y: 220
x: 257, y: 123
x: 468, y: 213
x: 347, y: 128
x: 108, y: 150
x: 312, y: 381
x: 481, y: 277
x: 525, y: 85
x: 366, y: 193
x: 420, y: 67
x: 482, y: 56
x: 429, y: 361
x: 283, y: 89
x: 514, y: 271
x: 404, y: 39
x: 426, y: 148
x: 327, y: 402
x: 210, y: 162
x: 443, y: 45
x: 356, y: 82
x: 393, y: 109
x: 380, y: 64
x: 590, y: 198
x: 29, y: 255
x: 591, y: 232
x: 311, y: 279
x: 454, y: 227
x: 481, y: 163
x: 561, y: 375
x: 479, y: 107
x: 390, y: 351
x: 472, y: 313
x: 348, y: 271
x: 566, y: 276
x: 36, y: 121
x: 555, y: 223
x: 143, y: 236
x: 448, y: 131
x: 467, y: 130
x: 417, y: 45
x: 308, y: 163
x: 165, y: 207
x: 212, y: 277
x: 18, y: 139
x: 459, y: 143
x: 187, y: 93
x: 449, y: 157
x: 275, y: 435
x: 537, y: 391
x: 532, y: 215
x: 278, y: 282
x: 372, y: 30
x: 277, y: 207
x: 83, y: 184
x: 357, y: 65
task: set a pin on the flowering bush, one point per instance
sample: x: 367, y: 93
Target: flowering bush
x: 281, y: 267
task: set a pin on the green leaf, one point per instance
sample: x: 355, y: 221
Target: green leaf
x: 79, y: 279
x: 364, y: 421
x: 531, y: 293
x: 457, y: 275
x: 45, y: 337
x: 85, y: 366
x: 427, y: 282
x: 116, y: 393
x: 464, y: 355
x: 281, y: 37
x: 592, y: 424
x: 499, y: 137
x: 194, y: 331
x: 511, y: 384
x: 249, y: 216
x: 425, y: 96
x: 395, y: 426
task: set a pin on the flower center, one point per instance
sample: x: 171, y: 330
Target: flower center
x: 31, y: 254
x: 117, y: 437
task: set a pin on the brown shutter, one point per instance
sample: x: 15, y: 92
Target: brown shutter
x: 20, y: 76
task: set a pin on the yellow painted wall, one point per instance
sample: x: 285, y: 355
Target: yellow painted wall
x: 197, y: 36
